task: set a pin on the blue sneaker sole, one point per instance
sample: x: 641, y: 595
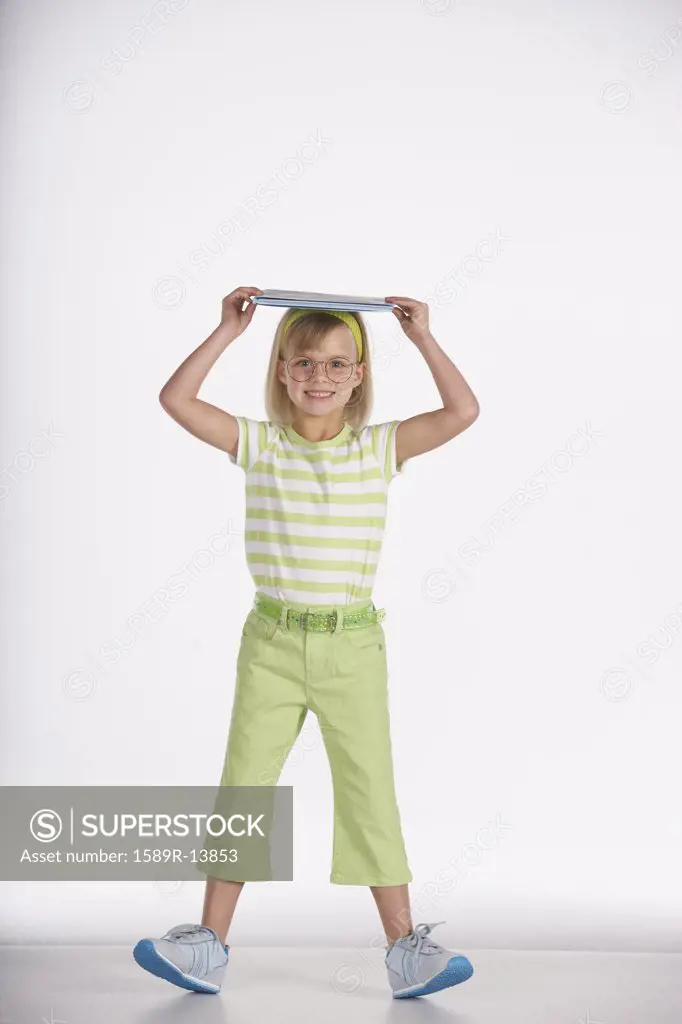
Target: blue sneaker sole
x: 147, y: 957
x: 457, y: 969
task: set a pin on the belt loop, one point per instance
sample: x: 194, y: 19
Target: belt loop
x: 338, y: 625
x: 283, y: 615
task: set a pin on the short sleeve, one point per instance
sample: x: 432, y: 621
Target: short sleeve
x: 383, y: 444
x: 254, y: 437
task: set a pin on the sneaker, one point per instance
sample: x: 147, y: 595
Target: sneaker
x: 418, y: 966
x: 189, y: 955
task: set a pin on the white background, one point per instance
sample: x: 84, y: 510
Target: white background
x: 517, y: 166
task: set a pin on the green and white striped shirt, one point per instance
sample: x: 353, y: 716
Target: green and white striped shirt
x: 315, y: 510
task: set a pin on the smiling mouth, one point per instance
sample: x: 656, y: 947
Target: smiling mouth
x: 319, y: 394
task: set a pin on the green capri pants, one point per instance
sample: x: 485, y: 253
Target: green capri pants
x: 341, y: 676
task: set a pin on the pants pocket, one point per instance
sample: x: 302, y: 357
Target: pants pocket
x: 366, y: 637
x: 259, y: 626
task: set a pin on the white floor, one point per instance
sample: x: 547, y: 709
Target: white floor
x: 101, y: 985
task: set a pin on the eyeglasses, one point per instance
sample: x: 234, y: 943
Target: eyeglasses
x: 338, y: 369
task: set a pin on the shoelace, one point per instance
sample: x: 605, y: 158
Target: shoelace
x: 418, y: 941
x: 187, y: 929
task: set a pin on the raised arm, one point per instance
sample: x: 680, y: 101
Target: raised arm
x: 178, y: 396
x: 431, y: 429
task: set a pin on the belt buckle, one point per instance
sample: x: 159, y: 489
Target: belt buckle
x: 332, y: 618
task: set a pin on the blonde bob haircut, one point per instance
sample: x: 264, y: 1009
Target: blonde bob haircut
x: 304, y: 335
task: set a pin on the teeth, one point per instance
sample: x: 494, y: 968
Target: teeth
x: 319, y: 394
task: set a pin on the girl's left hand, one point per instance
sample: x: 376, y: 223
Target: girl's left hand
x: 412, y: 315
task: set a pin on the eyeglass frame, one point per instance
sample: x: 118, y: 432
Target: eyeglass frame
x: 315, y: 362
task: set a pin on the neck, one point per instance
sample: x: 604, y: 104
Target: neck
x: 316, y: 428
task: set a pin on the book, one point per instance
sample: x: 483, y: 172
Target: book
x: 320, y: 300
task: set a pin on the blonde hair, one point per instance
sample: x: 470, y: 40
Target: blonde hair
x: 304, y: 334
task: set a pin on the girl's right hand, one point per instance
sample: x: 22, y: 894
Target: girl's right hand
x: 233, y: 316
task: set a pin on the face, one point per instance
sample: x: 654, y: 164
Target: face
x: 319, y: 395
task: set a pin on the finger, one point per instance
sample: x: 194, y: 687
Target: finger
x: 410, y: 312
x: 240, y: 297
x: 401, y: 300
x: 246, y: 291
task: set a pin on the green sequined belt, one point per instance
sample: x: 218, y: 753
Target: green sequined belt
x: 320, y: 622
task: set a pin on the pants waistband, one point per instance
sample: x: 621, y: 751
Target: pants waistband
x: 334, y: 618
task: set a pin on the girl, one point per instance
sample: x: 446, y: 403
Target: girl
x: 316, y: 488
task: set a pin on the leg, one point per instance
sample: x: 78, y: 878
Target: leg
x: 220, y: 900
x: 351, y: 703
x: 393, y: 904
x: 268, y: 712
x: 269, y: 706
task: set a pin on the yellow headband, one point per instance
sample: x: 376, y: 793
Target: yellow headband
x: 348, y: 319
